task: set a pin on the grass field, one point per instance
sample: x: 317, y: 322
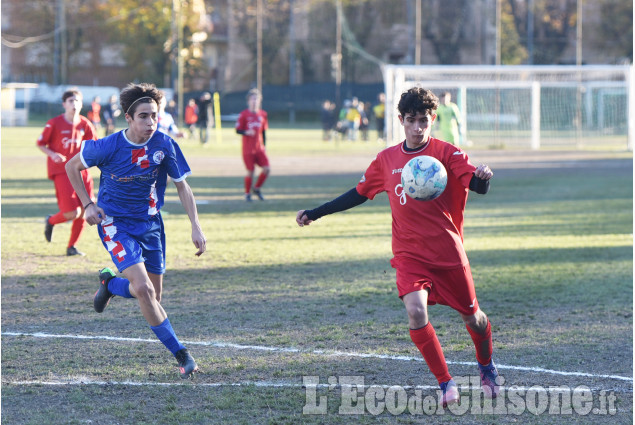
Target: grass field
x: 551, y: 250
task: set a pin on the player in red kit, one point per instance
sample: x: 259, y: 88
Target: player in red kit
x: 252, y: 123
x: 61, y: 139
x: 427, y: 238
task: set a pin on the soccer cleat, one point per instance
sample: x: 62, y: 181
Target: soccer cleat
x: 103, y: 295
x: 187, y: 365
x: 48, y: 229
x: 258, y: 193
x: 490, y: 382
x: 450, y: 393
x: 71, y: 250
x: 247, y: 197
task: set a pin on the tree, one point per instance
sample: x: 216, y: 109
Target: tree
x: 144, y: 29
x: 616, y: 28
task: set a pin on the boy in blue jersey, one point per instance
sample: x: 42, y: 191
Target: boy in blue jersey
x: 135, y: 164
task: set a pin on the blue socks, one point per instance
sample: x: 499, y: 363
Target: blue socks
x: 120, y: 286
x: 166, y: 335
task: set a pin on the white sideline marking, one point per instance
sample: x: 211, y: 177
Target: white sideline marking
x: 283, y: 384
x: 327, y: 353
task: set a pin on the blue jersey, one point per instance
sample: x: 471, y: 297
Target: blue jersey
x: 134, y: 177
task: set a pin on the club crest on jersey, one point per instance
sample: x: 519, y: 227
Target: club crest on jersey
x: 158, y: 157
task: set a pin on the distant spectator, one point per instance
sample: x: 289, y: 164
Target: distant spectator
x: 327, y: 117
x: 353, y: 119
x: 172, y: 109
x: 449, y: 120
x: 166, y: 122
x: 204, y: 114
x: 94, y: 114
x: 363, y: 120
x: 342, y: 123
x: 379, y: 111
x: 111, y: 112
x: 191, y: 116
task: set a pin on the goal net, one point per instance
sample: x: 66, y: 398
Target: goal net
x: 526, y: 107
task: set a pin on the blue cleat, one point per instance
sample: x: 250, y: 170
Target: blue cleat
x: 187, y: 365
x: 490, y: 381
x: 450, y: 393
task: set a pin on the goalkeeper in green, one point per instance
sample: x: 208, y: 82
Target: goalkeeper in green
x: 449, y: 119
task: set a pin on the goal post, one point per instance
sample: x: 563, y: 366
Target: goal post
x: 526, y: 107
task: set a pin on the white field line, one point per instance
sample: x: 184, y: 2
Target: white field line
x: 285, y: 384
x: 326, y: 353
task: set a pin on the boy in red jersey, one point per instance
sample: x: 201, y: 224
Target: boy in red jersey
x: 61, y: 139
x: 252, y: 123
x: 427, y: 238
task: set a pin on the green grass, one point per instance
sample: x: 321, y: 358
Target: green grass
x: 550, y: 246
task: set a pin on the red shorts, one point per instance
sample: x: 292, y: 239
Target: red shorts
x: 67, y: 199
x: 252, y: 159
x: 451, y: 287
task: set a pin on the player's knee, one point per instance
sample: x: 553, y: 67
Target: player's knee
x: 476, y: 321
x: 417, y: 316
x: 144, y: 291
x: 72, y: 215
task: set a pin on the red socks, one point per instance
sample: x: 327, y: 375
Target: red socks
x: 76, y: 230
x: 57, y: 218
x: 483, y: 344
x: 261, y: 180
x: 248, y: 184
x: 426, y: 340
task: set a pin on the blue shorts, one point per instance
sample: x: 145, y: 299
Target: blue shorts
x: 133, y: 241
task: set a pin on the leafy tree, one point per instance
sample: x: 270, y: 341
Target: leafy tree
x: 616, y: 28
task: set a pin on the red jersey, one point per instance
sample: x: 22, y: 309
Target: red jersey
x: 256, y: 121
x: 65, y: 138
x: 427, y: 231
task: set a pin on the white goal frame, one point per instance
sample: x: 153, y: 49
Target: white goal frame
x: 606, y: 79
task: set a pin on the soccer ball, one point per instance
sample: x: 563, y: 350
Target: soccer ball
x: 424, y: 178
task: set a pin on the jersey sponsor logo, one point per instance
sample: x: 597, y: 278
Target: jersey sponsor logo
x: 401, y: 194
x: 68, y: 141
x: 459, y: 152
x: 363, y: 178
x: 397, y: 170
x: 140, y: 157
x: 158, y: 157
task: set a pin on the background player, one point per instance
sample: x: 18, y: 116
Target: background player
x: 252, y: 124
x: 61, y: 140
x: 427, y: 238
x: 449, y: 120
x: 134, y: 166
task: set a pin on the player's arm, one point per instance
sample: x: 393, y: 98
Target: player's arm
x: 55, y: 156
x: 348, y: 200
x: 480, y: 179
x: 93, y: 214
x: 189, y: 203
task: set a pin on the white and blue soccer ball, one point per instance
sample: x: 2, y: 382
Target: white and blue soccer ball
x: 424, y: 178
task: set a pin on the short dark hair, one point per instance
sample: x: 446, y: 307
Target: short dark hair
x: 71, y: 92
x: 135, y: 94
x: 254, y: 92
x: 417, y: 99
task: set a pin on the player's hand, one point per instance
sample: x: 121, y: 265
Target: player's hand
x: 302, y: 219
x: 198, y: 238
x: 58, y: 158
x: 483, y: 172
x: 94, y: 214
